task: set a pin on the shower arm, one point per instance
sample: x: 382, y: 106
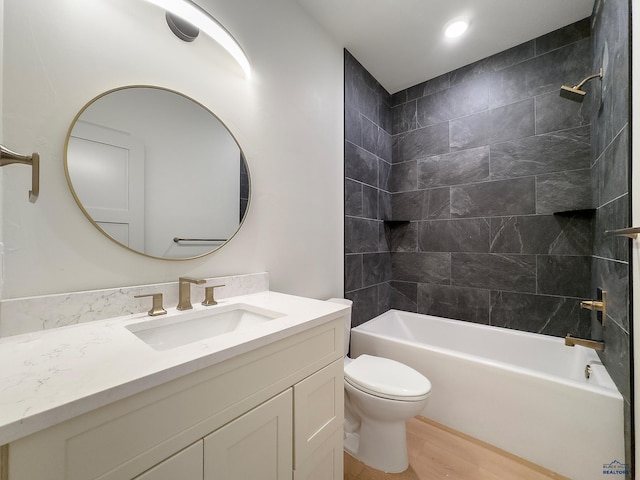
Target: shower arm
x: 590, y: 77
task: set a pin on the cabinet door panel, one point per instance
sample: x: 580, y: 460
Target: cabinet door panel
x: 319, y: 409
x: 185, y: 465
x: 325, y: 463
x: 256, y: 445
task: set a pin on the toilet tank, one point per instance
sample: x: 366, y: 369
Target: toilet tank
x: 347, y: 322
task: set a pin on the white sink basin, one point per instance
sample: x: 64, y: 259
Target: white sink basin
x: 188, y: 327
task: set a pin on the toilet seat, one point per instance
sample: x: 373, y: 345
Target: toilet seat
x: 386, y: 378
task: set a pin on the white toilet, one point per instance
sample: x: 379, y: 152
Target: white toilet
x: 380, y: 396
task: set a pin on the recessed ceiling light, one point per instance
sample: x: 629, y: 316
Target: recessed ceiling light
x: 456, y: 28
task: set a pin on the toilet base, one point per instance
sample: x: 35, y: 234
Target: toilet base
x: 380, y: 445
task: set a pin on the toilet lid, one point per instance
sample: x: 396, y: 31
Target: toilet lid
x: 386, y: 378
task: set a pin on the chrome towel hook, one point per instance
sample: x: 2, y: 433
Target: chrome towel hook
x: 7, y: 157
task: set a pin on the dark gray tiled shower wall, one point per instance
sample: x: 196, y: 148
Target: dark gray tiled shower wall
x: 481, y: 159
x: 368, y: 152
x: 611, y: 173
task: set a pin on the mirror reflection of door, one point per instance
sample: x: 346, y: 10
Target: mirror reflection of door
x: 195, y: 183
x: 108, y: 171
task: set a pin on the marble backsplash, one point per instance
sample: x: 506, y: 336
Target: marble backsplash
x: 30, y: 314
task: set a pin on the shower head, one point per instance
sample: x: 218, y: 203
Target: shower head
x: 572, y: 93
x: 576, y: 93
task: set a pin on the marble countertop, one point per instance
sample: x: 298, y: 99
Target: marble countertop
x: 51, y: 376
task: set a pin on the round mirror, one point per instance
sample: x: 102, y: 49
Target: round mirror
x: 157, y: 172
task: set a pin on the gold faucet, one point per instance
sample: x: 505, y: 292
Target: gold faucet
x: 184, y: 291
x: 597, y: 305
x: 570, y: 341
x: 208, y: 295
x: 156, y: 308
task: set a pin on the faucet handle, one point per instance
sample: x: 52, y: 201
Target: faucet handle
x: 196, y: 281
x: 208, y: 295
x: 156, y: 308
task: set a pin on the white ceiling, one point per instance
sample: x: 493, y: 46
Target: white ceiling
x: 400, y: 42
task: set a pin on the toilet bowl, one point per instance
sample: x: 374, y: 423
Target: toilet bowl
x: 380, y: 396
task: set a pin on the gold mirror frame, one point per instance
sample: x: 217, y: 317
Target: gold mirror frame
x: 243, y: 210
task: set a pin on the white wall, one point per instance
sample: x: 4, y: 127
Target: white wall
x: 1, y: 141
x: 287, y: 118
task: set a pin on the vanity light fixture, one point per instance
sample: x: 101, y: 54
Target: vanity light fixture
x: 185, y: 19
x: 456, y: 28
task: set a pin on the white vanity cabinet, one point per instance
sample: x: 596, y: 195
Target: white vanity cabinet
x: 184, y: 465
x: 275, y: 412
x: 257, y: 445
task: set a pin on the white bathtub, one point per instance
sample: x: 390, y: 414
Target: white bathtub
x: 522, y: 392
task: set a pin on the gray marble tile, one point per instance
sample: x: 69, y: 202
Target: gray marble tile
x: 358, y: 92
x: 470, y: 131
x: 548, y: 153
x: 383, y: 241
x: 376, y: 268
x: 516, y: 273
x: 361, y: 235
x: 548, y: 315
x: 610, y: 46
x: 561, y: 65
x: 558, y: 192
x: 432, y: 140
x: 611, y: 52
x: 429, y: 204
x: 404, y: 176
x: 505, y: 197
x: 614, y: 170
x: 499, y: 61
x: 384, y: 147
x: 423, y: 89
x: 508, y: 85
x: 352, y: 126
x: 564, y: 275
x: 616, y: 357
x: 404, y: 296
x: 465, y: 235
x: 612, y: 216
x: 563, y: 36
x: 436, y: 204
x: 467, y: 166
x: 369, y: 136
x: 512, y: 121
x: 352, y: 272
x: 493, y: 126
x: 554, y: 113
x: 352, y: 198
x: 613, y: 277
x: 404, y: 117
x: 459, y: 100
x: 360, y: 165
x: 541, y: 74
x: 421, y: 267
x: 385, y: 211
x: 469, y: 304
x: 407, y: 205
x: 543, y: 234
x: 369, y: 202
x: 384, y: 292
x: 384, y: 175
x: 365, y: 305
